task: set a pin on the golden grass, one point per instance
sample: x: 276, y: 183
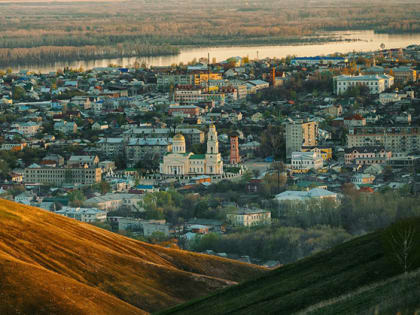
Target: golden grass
x: 97, y: 263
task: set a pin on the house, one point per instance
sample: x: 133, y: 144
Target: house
x: 65, y: 127
x: 25, y: 198
x: 362, y: 179
x: 97, y: 126
x: 249, y: 217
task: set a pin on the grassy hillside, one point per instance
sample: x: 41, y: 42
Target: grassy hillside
x: 397, y: 294
x: 319, y: 283
x: 50, y: 263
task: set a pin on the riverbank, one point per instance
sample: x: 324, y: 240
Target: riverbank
x: 349, y: 41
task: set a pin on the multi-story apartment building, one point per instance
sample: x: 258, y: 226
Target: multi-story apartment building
x: 395, y: 139
x: 182, y: 78
x: 139, y: 148
x: 300, y: 133
x: 111, y: 147
x: 168, y: 79
x: 376, y: 83
x: 60, y: 176
x: 367, y: 155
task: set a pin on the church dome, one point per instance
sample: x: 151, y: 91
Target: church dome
x: 179, y: 137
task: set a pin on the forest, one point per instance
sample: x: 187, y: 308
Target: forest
x: 52, y: 31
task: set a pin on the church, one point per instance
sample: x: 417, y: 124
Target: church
x: 179, y: 162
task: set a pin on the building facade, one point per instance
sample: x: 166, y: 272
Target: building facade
x: 249, y: 218
x: 304, y: 161
x: 395, y: 139
x: 376, y: 83
x: 300, y: 133
x: 179, y: 162
x: 367, y: 155
x: 60, y: 176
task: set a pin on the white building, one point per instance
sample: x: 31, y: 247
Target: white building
x: 179, y: 162
x: 249, y: 217
x: 385, y: 98
x: 83, y: 214
x: 306, y: 160
x: 376, y: 83
x: 111, y: 201
x: 302, y: 196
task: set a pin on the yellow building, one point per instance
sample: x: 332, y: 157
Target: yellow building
x: 324, y: 152
x: 200, y: 78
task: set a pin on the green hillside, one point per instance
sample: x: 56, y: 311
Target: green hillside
x: 315, y: 281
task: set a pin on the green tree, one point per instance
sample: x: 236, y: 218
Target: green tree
x: 76, y: 198
x: 18, y: 93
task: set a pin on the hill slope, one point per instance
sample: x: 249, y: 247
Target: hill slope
x: 296, y: 287
x: 54, y: 263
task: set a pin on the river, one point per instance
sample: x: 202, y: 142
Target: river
x: 359, y: 41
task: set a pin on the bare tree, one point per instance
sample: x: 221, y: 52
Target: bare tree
x: 402, y: 242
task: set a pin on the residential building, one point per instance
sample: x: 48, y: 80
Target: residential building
x: 404, y: 74
x: 300, y: 133
x: 138, y: 149
x: 111, y: 147
x: 385, y: 98
x: 367, y: 155
x: 59, y: 176
x: 395, y: 139
x: 65, y: 127
x: 27, y: 128
x: 362, y: 179
x: 249, y: 218
x: 188, y: 110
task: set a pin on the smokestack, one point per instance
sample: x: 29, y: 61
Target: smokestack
x: 273, y: 76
